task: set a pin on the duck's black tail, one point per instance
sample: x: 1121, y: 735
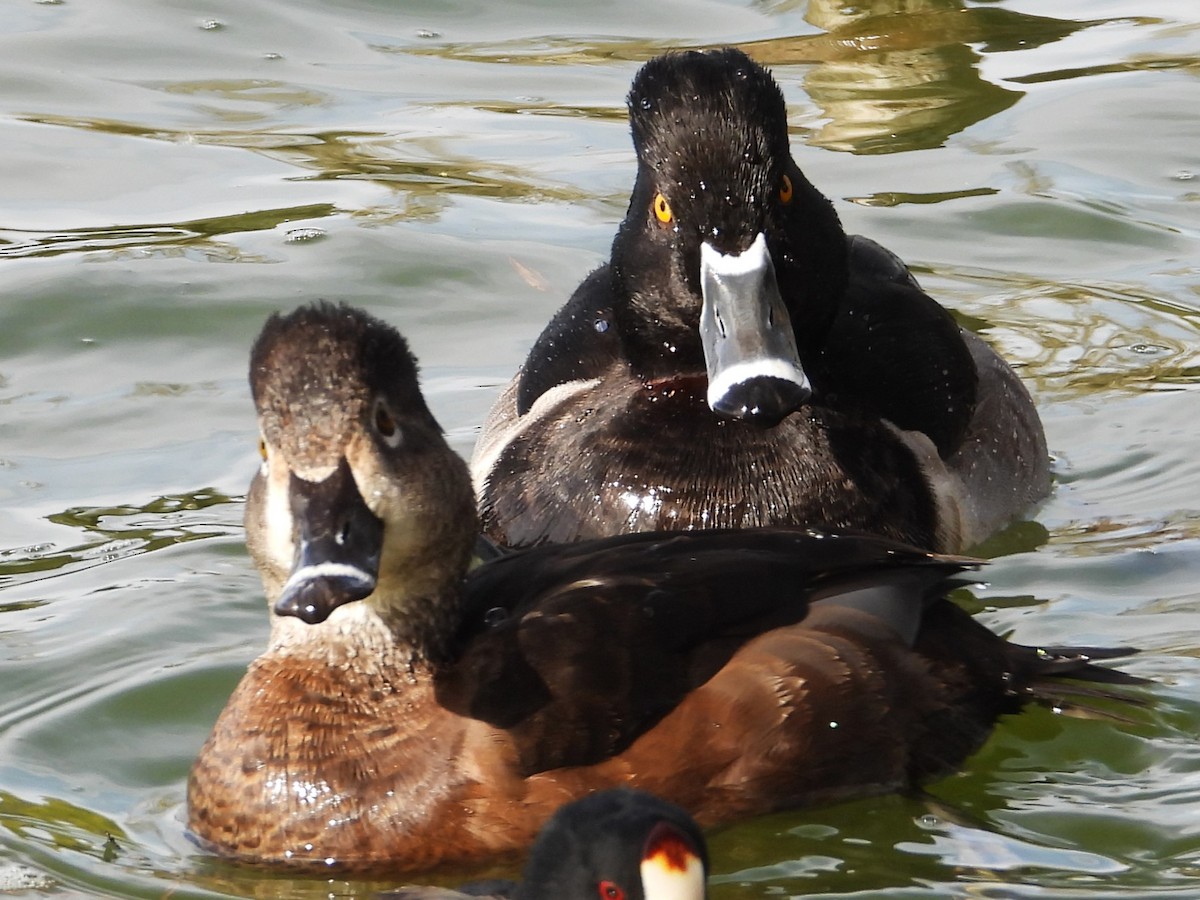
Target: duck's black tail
x: 987, y: 677
x: 1067, y: 678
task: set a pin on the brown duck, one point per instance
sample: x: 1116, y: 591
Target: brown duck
x: 407, y: 714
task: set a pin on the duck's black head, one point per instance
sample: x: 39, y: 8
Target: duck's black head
x: 730, y: 258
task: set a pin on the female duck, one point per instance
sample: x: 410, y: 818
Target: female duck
x: 742, y: 361
x: 404, y: 716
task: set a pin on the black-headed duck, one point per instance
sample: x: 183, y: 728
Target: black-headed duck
x: 406, y: 713
x: 742, y: 361
x: 618, y: 844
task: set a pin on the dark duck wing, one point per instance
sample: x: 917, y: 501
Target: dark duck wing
x: 581, y: 651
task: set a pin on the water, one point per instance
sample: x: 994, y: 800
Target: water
x: 172, y: 171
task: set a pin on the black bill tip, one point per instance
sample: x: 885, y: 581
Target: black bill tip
x: 762, y: 400
x: 313, y: 592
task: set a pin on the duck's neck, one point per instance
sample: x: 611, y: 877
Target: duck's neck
x: 422, y: 619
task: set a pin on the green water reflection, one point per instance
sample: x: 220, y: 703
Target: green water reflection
x: 120, y: 531
x: 199, y: 233
x: 61, y: 825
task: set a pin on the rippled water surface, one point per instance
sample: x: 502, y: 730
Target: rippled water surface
x: 172, y: 170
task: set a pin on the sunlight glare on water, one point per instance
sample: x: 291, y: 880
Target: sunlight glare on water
x: 173, y: 172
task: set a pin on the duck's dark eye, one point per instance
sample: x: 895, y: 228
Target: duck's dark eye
x: 785, y: 190
x: 662, y: 209
x: 610, y: 890
x: 385, y: 424
x: 262, y: 447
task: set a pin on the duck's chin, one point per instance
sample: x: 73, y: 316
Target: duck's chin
x: 349, y: 631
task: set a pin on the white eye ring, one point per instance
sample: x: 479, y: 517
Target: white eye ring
x: 386, y: 425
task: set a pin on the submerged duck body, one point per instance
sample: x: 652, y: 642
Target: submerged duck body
x: 406, y: 714
x: 742, y: 361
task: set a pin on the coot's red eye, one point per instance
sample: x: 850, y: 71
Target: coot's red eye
x: 610, y: 890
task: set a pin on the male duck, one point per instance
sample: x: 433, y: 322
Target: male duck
x: 404, y: 715
x: 618, y: 844
x: 742, y: 361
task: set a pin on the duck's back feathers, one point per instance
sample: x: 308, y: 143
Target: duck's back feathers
x: 768, y: 569
x: 578, y: 650
x: 830, y: 650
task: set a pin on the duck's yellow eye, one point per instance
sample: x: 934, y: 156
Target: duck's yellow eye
x: 262, y: 447
x: 785, y: 190
x: 662, y: 209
